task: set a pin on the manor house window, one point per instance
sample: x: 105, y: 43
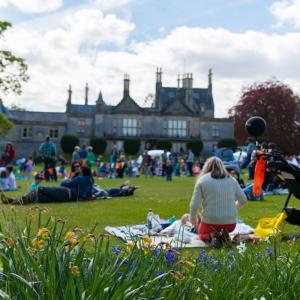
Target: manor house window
x: 27, y: 132
x: 80, y: 126
x: 177, y: 128
x: 129, y: 127
x: 216, y: 131
x: 53, y: 133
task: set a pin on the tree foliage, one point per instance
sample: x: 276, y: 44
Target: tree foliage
x: 132, y: 147
x: 5, y: 125
x: 227, y: 143
x: 68, y: 142
x: 195, y: 145
x: 13, y: 69
x: 99, y: 145
x: 278, y: 105
x: 164, y: 145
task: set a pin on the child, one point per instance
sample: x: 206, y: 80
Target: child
x: 248, y: 190
x: 169, y: 171
x: 28, y: 168
x: 3, y: 179
x: 37, y: 182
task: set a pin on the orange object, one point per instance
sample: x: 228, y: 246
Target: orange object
x: 259, y: 175
x: 50, y: 171
x: 83, y: 162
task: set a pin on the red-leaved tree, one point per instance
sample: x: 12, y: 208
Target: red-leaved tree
x: 278, y: 105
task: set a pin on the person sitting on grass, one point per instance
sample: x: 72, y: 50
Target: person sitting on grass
x: 36, y: 184
x: 220, y: 197
x: 11, y: 184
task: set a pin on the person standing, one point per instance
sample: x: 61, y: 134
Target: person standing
x: 75, y: 154
x: 147, y: 164
x: 8, y: 155
x: 219, y: 196
x: 83, y: 155
x: 190, y: 162
x: 48, y: 152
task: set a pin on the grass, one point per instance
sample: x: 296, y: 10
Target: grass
x: 165, y: 198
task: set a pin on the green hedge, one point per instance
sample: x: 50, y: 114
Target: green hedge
x: 132, y: 147
x: 164, y: 145
x: 99, y: 145
x: 227, y: 143
x: 68, y: 142
x: 195, y: 145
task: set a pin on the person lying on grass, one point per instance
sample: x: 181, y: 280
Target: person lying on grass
x: 219, y: 196
x: 80, y: 187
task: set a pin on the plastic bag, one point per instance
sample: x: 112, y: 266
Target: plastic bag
x: 270, y: 226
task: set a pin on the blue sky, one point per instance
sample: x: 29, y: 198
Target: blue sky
x: 97, y: 41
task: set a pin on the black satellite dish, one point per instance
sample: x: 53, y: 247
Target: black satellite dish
x: 256, y: 126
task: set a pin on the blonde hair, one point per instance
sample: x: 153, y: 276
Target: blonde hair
x: 215, y: 166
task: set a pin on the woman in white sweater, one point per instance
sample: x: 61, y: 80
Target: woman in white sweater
x: 219, y: 196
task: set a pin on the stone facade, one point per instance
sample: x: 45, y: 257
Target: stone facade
x: 178, y: 114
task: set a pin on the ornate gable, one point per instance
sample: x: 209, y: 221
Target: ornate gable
x: 127, y: 105
x: 177, y: 108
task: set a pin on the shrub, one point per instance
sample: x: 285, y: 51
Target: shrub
x: 164, y: 145
x: 68, y: 142
x: 98, y: 144
x: 227, y: 143
x: 195, y: 145
x: 132, y: 147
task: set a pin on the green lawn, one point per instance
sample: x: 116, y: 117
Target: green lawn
x: 165, y: 198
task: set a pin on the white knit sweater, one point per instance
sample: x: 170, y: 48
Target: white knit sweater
x: 216, y: 199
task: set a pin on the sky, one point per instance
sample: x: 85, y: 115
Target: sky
x: 97, y: 41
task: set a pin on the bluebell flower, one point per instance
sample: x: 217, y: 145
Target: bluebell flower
x: 120, y: 274
x: 126, y: 261
x: 169, y: 257
x: 156, y: 251
x: 202, y: 255
x: 86, y: 264
x: 270, y: 251
x: 116, y: 250
x: 160, y: 272
x: 292, y: 237
x: 131, y: 267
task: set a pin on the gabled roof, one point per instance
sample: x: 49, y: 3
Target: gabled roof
x: 127, y: 105
x: 177, y: 107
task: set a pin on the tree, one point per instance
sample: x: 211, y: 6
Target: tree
x: 13, y: 69
x: 227, y: 143
x: 98, y: 144
x: 195, y: 145
x: 278, y: 105
x: 132, y: 147
x: 5, y: 125
x: 68, y: 143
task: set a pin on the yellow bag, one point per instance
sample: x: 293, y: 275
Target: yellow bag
x: 270, y: 226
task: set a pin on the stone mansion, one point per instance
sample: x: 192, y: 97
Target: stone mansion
x: 178, y: 114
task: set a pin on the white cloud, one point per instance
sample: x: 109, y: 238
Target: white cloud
x: 33, y: 6
x: 86, y: 45
x: 286, y: 12
x: 106, y: 5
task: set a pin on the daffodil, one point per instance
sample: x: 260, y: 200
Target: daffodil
x: 69, y: 235
x: 146, y: 239
x: 188, y: 265
x: 38, y: 244
x: 178, y: 275
x: 10, y: 242
x: 73, y: 242
x: 75, y: 270
x: 146, y: 250
x: 130, y: 245
x: 43, y: 233
x: 89, y: 238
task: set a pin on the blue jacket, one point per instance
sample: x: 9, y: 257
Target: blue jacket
x: 80, y: 186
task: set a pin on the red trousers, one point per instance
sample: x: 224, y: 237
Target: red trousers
x: 205, y: 230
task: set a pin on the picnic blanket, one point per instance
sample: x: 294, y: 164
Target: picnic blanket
x: 181, y: 239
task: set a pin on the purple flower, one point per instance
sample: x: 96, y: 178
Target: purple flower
x: 270, y: 251
x: 120, y: 274
x: 202, y: 255
x: 169, y: 257
x: 116, y: 250
x: 126, y: 261
x: 156, y: 251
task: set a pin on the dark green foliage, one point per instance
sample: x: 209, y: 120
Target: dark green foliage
x: 5, y: 125
x: 195, y: 145
x: 13, y: 69
x: 98, y: 144
x: 227, y: 143
x: 164, y: 145
x: 68, y: 142
x: 132, y: 147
